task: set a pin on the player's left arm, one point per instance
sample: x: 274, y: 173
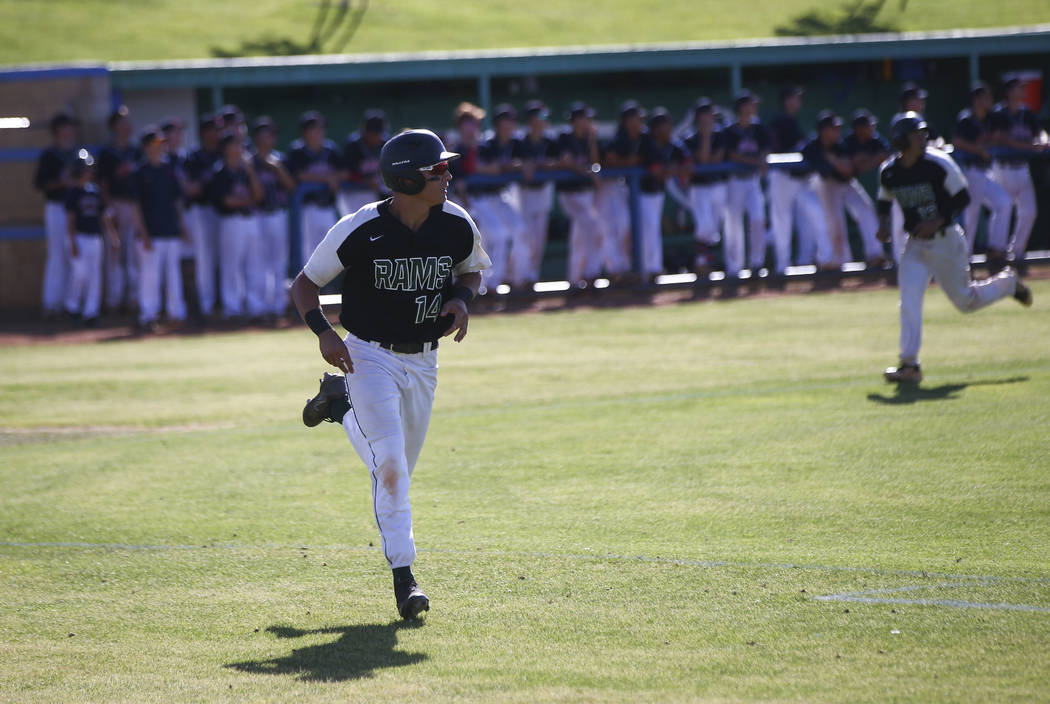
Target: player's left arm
x: 467, y: 283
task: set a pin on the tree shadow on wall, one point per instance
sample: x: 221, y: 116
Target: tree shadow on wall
x: 855, y: 17
x: 333, y: 28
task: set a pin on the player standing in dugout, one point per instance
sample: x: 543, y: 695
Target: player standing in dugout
x: 412, y: 264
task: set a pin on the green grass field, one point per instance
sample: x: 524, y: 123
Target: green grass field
x: 62, y: 30
x: 713, y: 502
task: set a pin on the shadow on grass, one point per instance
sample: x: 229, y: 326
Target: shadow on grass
x: 853, y: 17
x: 358, y: 652
x: 910, y: 393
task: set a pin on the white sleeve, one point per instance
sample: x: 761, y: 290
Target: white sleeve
x: 954, y: 181
x: 324, y: 264
x: 478, y: 259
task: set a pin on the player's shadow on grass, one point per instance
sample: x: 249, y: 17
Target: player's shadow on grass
x: 358, y: 652
x: 910, y: 393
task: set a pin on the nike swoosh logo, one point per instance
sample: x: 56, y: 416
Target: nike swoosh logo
x: 373, y: 239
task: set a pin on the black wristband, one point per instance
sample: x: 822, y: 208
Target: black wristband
x: 464, y: 293
x: 317, y: 322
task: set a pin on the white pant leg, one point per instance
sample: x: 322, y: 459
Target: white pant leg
x: 268, y: 265
x: 149, y: 282
x: 613, y: 204
x: 316, y: 221
x: 899, y: 237
x: 1017, y: 182
x: 236, y: 234
x: 833, y: 203
x: 56, y: 264
x: 736, y: 200
x: 169, y: 265
x: 756, y: 224
x: 783, y: 196
x: 520, y: 257
x: 984, y: 190
x: 651, y: 217
x: 708, y: 205
x: 203, y: 223
x: 86, y: 281
x: 123, y: 262
x: 976, y: 183
x: 484, y: 208
x: 536, y: 206
x: 78, y: 277
x: 948, y: 259
x: 860, y: 206
x: 391, y: 397
x: 912, y: 279
x: 583, y: 233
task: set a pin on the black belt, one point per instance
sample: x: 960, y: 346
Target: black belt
x: 408, y: 347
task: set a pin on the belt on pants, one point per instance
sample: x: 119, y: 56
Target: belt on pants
x: 407, y: 347
x: 935, y: 235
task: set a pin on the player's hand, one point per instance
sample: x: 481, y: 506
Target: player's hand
x: 458, y: 309
x: 926, y: 228
x: 334, y: 351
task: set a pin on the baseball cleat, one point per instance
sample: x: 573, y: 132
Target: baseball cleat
x: 904, y: 373
x: 1023, y: 294
x: 319, y: 408
x: 411, y: 601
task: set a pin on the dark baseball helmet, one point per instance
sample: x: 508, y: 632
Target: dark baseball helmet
x: 82, y: 162
x: 904, y: 124
x: 405, y: 156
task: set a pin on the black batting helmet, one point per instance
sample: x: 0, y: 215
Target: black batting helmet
x: 904, y: 124
x: 82, y: 162
x: 405, y: 156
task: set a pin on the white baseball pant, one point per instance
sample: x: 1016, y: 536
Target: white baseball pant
x: 84, y: 293
x: 536, y: 204
x: 709, y: 210
x: 585, y: 235
x: 612, y: 200
x: 650, y: 221
x: 945, y: 258
x: 122, y: 265
x: 862, y: 209
x: 504, y: 231
x: 984, y: 191
x: 268, y: 265
x: 160, y: 267
x: 795, y: 200
x: 1016, y: 180
x: 238, y: 235
x: 744, y: 196
x: 203, y: 224
x: 838, y: 198
x: 315, y: 222
x: 391, y: 396
x: 56, y: 265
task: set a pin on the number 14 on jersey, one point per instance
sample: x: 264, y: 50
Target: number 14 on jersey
x: 427, y: 308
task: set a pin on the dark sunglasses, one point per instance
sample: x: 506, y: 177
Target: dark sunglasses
x: 435, y: 170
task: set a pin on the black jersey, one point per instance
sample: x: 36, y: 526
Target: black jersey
x: 580, y: 151
x: 973, y: 130
x: 748, y: 141
x: 535, y: 151
x: 230, y: 182
x: 303, y: 160
x: 361, y: 160
x: 200, y: 168
x: 84, y: 205
x: 54, y: 163
x: 718, y: 144
x: 492, y: 151
x: 816, y: 155
x: 158, y: 192
x: 1020, y: 126
x: 656, y: 158
x: 876, y: 145
x: 623, y: 145
x: 115, y: 166
x: 785, y: 134
x: 933, y: 186
x: 397, y: 280
x: 274, y: 196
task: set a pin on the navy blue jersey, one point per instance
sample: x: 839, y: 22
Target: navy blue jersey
x: 54, y: 164
x: 534, y: 151
x: 749, y: 141
x: 815, y: 154
x: 230, y: 182
x: 492, y: 151
x: 785, y: 134
x: 976, y: 131
x: 876, y: 145
x: 1020, y: 126
x: 397, y: 280
x: 718, y: 143
x: 157, y: 190
x: 623, y: 145
x: 200, y: 168
x: 656, y: 159
x: 84, y: 205
x: 361, y: 160
x: 303, y: 160
x: 932, y: 187
x: 274, y: 196
x: 580, y: 151
x: 115, y: 166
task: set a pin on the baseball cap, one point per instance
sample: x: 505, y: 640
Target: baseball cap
x: 744, y: 96
x: 911, y: 90
x: 504, y: 111
x: 208, y: 122
x: 263, y: 123
x: 659, y: 116
x: 790, y: 91
x: 827, y: 118
x: 1013, y: 82
x: 537, y: 108
x: 171, y: 124
x: 703, y: 104
x: 151, y: 134
x: 863, y: 116
x: 979, y: 87
x: 230, y: 114
x: 631, y: 107
x: 310, y: 118
x: 578, y: 108
x: 62, y: 119
x: 375, y: 120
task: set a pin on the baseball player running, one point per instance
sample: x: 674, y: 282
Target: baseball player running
x: 413, y: 262
x: 931, y: 192
x: 971, y: 141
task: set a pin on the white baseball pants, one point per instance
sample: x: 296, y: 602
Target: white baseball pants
x: 585, y: 235
x: 391, y: 396
x: 122, y: 265
x: 203, y: 224
x: 536, y: 204
x: 84, y: 293
x: 239, y: 235
x: 744, y: 196
x: 945, y: 258
x: 838, y: 198
x: 56, y: 265
x: 268, y: 265
x: 612, y: 200
x: 984, y: 191
x: 504, y: 232
x: 862, y: 209
x: 795, y: 200
x: 160, y: 268
x: 709, y: 211
x: 650, y: 220
x: 315, y: 222
x: 1017, y: 182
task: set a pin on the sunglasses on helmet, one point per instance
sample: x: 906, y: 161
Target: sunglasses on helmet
x: 434, y: 170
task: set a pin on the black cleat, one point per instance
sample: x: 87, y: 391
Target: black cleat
x: 411, y: 601
x: 1023, y: 294
x: 319, y: 408
x: 904, y: 373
